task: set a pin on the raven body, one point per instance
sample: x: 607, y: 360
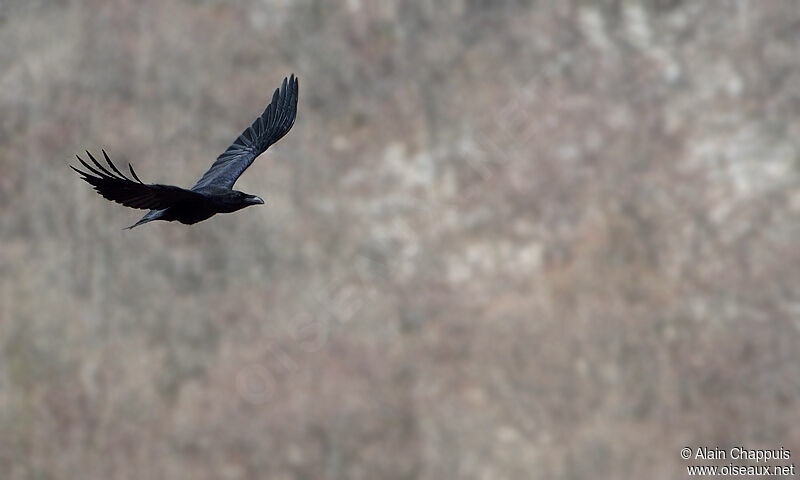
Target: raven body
x: 214, y: 192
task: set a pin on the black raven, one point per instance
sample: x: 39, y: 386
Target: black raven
x: 214, y: 192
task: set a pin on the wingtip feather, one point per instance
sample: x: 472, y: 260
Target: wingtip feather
x: 133, y: 172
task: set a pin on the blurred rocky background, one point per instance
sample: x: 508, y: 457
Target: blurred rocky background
x: 510, y: 239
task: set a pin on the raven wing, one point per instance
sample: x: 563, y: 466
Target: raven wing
x: 271, y: 126
x: 115, y: 186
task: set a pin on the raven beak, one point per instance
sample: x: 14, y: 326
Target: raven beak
x: 256, y: 200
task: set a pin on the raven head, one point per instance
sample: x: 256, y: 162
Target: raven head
x: 233, y: 200
x: 243, y: 199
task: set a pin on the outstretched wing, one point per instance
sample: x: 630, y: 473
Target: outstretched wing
x: 115, y: 186
x: 270, y: 127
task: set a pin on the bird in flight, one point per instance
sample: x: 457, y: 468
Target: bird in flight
x: 214, y: 192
